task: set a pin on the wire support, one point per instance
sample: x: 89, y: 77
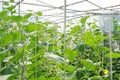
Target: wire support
x: 19, y: 2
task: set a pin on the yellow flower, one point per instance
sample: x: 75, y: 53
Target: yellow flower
x: 105, y: 71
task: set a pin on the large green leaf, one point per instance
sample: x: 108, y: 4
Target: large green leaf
x: 16, y: 57
x: 11, y: 0
x: 82, y: 47
x: 88, y: 64
x: 8, y: 70
x: 39, y: 13
x: 32, y: 27
x: 16, y: 35
x: 12, y: 77
x: 46, y: 23
x: 16, y: 18
x: 6, y: 3
x: 75, y: 29
x: 5, y: 40
x: 71, y: 54
x: 84, y: 19
x: 3, y: 14
x: 81, y: 73
x: 26, y: 16
x: 11, y: 8
x: 12, y: 37
x: 91, y: 39
x: 3, y: 55
x: 114, y: 55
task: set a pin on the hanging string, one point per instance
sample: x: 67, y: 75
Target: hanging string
x: 35, y: 44
x: 110, y: 45
x: 89, y: 14
x: 102, y: 53
x: 102, y: 43
x: 21, y: 66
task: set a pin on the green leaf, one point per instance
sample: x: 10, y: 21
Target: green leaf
x: 75, y: 29
x: 3, y: 14
x: 2, y: 55
x: 12, y: 77
x: 10, y: 69
x: 6, y: 71
x: 11, y: 0
x: 39, y: 13
x: 6, y: 3
x: 16, y: 35
x: 88, y: 64
x: 5, y: 39
x: 32, y: 27
x: 71, y: 54
x: 114, y: 55
x: 91, y: 39
x: 16, y: 18
x: 27, y: 16
x: 84, y: 19
x: 96, y: 78
x: 81, y: 73
x: 11, y: 8
x: 16, y: 57
x: 13, y: 36
x: 46, y: 23
x: 82, y: 47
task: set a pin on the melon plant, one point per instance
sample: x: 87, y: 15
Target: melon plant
x: 32, y: 49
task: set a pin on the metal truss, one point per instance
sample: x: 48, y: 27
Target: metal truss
x: 73, y: 12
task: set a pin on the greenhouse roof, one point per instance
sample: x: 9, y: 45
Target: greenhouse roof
x: 53, y: 10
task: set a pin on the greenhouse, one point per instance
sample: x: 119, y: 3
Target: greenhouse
x: 59, y: 39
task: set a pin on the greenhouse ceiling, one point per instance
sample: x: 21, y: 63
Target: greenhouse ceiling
x: 53, y: 10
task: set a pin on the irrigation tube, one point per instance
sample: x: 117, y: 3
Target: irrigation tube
x: 64, y: 33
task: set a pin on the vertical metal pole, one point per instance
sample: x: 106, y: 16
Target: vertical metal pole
x: 19, y: 7
x: 64, y: 23
x: 2, y: 4
x: 64, y: 33
x: 110, y: 44
x: 109, y: 32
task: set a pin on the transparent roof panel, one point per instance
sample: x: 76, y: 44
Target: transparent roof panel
x: 53, y: 10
